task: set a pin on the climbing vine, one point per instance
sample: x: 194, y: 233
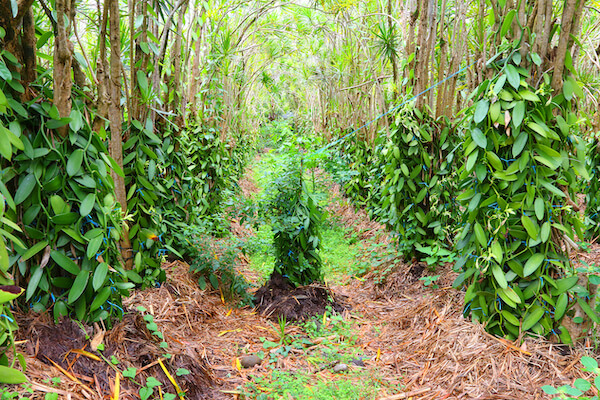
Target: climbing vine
x: 522, y: 156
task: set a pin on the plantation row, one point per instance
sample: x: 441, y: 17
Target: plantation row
x: 499, y: 190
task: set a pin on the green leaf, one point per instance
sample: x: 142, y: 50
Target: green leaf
x: 507, y: 22
x: 76, y: 120
x: 518, y: 113
x: 5, y: 73
x: 74, y: 162
x: 100, y: 298
x: 499, y: 84
x: 471, y: 160
x: 94, y: 246
x: 540, y: 207
x: 494, y: 160
x: 519, y: 144
x: 568, y: 89
x: 582, y: 384
x: 533, y: 264
x: 530, y: 226
x: 87, y: 204
x: 588, y: 310
x: 11, y: 376
x: 25, y: 188
x: 529, y: 96
x: 99, y: 275
x: 499, y: 276
x: 510, y: 294
x: 552, y: 188
x: 142, y: 80
x: 5, y: 147
x: 537, y: 60
x: 65, y: 218
x: 565, y: 284
x: 479, y: 138
x: 532, y: 317
x: 34, y: 281
x: 480, y: 234
x: 4, y: 261
x: 561, y: 306
x: 497, y: 252
x: 65, y: 262
x: 510, y: 318
x: 214, y: 281
x: 115, y: 167
x: 589, y: 363
x: 481, y: 110
x: 33, y: 250
x: 513, y: 76
x: 78, y: 286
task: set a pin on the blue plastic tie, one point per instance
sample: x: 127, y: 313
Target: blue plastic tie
x: 7, y: 317
x: 114, y: 305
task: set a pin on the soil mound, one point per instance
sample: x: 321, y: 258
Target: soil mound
x: 279, y: 298
x: 65, y: 345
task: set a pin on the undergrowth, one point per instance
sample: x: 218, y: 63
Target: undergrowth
x: 324, y: 342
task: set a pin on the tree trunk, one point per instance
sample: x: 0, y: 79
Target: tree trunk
x: 568, y: 24
x: 195, y: 73
x: 101, y: 74
x: 115, y: 117
x: 19, y: 40
x: 63, y: 54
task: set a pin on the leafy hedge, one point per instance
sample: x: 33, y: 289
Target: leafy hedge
x: 296, y: 219
x: 418, y: 191
x: 522, y: 156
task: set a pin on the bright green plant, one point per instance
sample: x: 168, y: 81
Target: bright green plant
x: 364, y: 162
x: 429, y: 281
x: 580, y: 386
x: 9, y: 374
x: 296, y: 220
x: 522, y: 156
x: 214, y: 259
x: 417, y: 193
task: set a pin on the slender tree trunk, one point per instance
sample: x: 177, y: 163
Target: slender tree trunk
x: 569, y: 16
x: 176, y: 73
x: 63, y: 52
x: 115, y: 117
x: 195, y: 73
x: 29, y: 73
x: 442, y: 61
x: 101, y: 74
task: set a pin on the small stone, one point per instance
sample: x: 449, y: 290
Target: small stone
x: 340, y: 368
x: 357, y: 362
x: 250, y: 361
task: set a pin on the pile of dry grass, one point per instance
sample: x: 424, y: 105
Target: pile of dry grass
x: 424, y: 341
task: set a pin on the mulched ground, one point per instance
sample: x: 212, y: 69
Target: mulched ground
x: 410, y: 334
